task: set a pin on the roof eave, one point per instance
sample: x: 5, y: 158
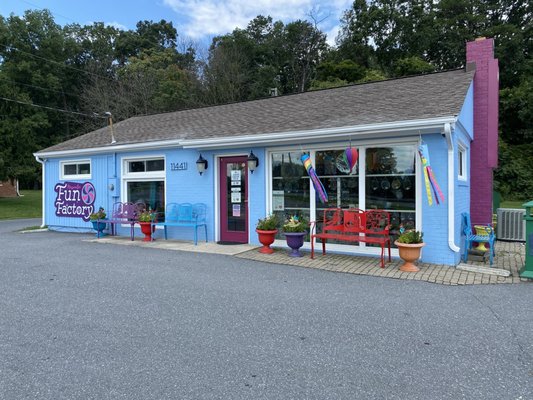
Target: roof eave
x: 398, y: 128
x: 154, y: 145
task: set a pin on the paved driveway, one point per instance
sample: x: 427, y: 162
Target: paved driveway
x: 84, y: 320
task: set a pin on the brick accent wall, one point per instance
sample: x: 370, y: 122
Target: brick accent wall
x: 8, y: 189
x: 484, y: 150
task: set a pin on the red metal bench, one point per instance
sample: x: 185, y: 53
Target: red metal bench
x: 353, y: 225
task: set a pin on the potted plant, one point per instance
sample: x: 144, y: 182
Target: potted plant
x: 295, y: 230
x: 145, y: 221
x: 409, y: 244
x: 266, y: 229
x: 98, y: 225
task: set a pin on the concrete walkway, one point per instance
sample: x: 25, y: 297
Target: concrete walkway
x: 509, y: 257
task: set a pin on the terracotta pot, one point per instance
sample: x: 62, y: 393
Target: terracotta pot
x: 295, y: 240
x: 409, y: 253
x: 147, y: 229
x: 266, y: 238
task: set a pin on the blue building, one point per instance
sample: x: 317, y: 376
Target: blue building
x: 153, y: 159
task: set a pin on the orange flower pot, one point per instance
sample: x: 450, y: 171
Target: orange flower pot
x: 409, y: 253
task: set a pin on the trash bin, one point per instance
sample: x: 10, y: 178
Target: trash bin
x: 527, y: 270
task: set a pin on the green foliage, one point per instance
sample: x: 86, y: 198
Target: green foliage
x: 100, y: 214
x: 335, y: 82
x: 516, y: 113
x: 295, y: 223
x: 411, y: 237
x: 269, y: 223
x: 412, y: 66
x: 146, y: 216
x: 513, y: 176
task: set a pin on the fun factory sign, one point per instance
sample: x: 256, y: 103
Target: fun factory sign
x: 75, y: 200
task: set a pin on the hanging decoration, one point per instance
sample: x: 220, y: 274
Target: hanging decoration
x: 346, y: 160
x: 429, y: 177
x: 319, y: 188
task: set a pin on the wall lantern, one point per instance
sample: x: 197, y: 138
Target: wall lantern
x: 253, y: 162
x: 201, y: 164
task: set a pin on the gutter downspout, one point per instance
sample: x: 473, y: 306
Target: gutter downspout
x: 451, y: 189
x: 42, y: 162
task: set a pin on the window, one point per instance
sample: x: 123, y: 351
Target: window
x: 390, y: 185
x: 462, y: 163
x: 75, y: 169
x: 383, y: 178
x: 144, y: 182
x: 146, y: 165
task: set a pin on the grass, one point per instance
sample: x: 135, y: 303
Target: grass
x: 29, y: 205
x: 512, y: 204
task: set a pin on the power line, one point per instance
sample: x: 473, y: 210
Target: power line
x: 52, y: 108
x: 41, y: 8
x: 55, y: 62
x: 38, y: 87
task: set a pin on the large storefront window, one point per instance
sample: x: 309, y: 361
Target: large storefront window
x: 144, y: 181
x: 342, y: 186
x: 390, y: 184
x: 290, y: 186
x: 388, y: 174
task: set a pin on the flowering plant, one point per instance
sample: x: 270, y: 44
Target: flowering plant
x: 295, y: 223
x: 146, y: 216
x: 100, y: 214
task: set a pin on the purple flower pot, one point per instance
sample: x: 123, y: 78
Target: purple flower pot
x: 295, y: 240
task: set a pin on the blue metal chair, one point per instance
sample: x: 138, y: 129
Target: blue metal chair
x: 470, y: 237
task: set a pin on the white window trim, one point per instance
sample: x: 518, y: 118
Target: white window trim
x: 141, y: 176
x: 63, y: 176
x: 462, y: 162
x: 362, y: 146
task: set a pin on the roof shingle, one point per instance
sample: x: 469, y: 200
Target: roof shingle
x: 419, y: 97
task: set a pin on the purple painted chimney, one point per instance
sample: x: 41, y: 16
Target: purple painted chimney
x: 484, y: 148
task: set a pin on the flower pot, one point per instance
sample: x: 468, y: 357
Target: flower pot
x: 99, y: 228
x: 295, y: 240
x: 147, y: 229
x: 266, y: 238
x: 409, y: 253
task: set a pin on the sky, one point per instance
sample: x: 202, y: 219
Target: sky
x: 198, y: 20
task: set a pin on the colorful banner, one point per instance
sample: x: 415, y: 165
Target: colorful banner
x: 430, y: 181
x: 75, y: 200
x: 319, y: 188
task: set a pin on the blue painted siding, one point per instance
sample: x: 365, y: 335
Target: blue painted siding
x: 189, y: 186
x: 435, y: 217
x: 466, y: 116
x: 98, y: 179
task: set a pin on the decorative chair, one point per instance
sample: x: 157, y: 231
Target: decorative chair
x: 470, y: 237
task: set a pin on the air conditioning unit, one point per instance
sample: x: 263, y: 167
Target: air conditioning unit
x: 511, y: 224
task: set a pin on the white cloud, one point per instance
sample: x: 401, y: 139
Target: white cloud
x: 203, y: 18
x: 117, y: 25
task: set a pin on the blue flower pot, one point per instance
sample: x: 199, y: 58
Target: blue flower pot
x: 99, y: 228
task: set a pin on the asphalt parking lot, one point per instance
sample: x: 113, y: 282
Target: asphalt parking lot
x: 84, y: 320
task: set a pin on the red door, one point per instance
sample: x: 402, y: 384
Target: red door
x: 233, y: 199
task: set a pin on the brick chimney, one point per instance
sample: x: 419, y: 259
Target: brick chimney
x: 484, y: 148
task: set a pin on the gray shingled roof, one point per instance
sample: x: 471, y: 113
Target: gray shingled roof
x: 420, y: 97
